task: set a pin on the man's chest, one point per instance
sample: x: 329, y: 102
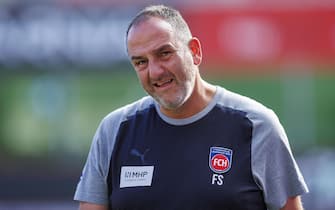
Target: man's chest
x: 198, y: 166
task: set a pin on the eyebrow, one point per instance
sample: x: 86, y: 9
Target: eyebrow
x: 155, y: 51
x: 163, y: 47
x: 136, y: 57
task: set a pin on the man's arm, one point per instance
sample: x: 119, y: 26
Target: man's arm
x: 91, y: 206
x: 293, y: 203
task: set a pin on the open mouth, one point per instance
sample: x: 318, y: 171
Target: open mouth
x: 163, y: 84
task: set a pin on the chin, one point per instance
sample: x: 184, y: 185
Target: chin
x: 171, y: 105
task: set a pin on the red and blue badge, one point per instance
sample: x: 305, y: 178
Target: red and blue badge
x: 220, y: 159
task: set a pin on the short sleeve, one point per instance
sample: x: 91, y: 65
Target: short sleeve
x: 273, y: 165
x: 92, y: 186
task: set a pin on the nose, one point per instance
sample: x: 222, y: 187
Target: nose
x: 155, y: 70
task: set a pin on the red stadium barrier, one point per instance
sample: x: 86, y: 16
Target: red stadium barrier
x: 253, y: 37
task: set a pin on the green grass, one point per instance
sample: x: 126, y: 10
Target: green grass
x: 67, y: 120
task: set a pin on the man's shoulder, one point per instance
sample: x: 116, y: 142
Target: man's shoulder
x: 128, y: 110
x: 263, y: 119
x: 253, y: 108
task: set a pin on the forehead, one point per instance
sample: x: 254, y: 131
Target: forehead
x: 149, y: 35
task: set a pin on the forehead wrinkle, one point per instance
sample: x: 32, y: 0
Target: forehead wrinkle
x: 149, y: 33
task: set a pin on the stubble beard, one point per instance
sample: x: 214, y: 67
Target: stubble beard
x: 183, y: 93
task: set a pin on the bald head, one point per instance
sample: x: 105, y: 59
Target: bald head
x: 168, y: 14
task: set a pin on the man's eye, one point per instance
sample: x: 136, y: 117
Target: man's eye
x: 165, y: 53
x: 140, y: 62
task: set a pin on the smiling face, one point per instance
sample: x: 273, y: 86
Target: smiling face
x: 165, y: 64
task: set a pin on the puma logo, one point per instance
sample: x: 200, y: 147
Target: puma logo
x: 137, y: 153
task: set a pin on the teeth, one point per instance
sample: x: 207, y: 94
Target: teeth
x: 163, y: 83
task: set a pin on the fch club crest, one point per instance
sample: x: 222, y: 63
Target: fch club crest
x: 220, y: 159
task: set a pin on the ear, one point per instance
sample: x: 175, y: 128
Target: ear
x: 195, y: 47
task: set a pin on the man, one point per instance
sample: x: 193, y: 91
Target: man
x: 189, y: 145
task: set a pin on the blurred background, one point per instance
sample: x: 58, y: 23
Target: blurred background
x: 63, y: 67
